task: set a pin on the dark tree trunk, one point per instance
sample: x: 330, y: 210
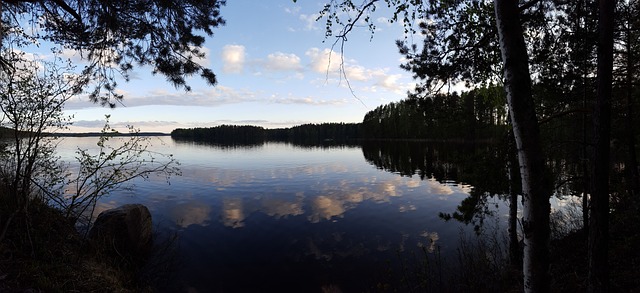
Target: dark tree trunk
x: 535, y: 185
x: 631, y: 166
x: 599, y: 220
x: 586, y: 188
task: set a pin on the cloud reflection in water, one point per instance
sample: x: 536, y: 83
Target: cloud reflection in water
x: 191, y: 213
x: 232, y: 213
x: 330, y: 202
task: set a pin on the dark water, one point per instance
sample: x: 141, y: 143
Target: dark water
x: 278, y: 217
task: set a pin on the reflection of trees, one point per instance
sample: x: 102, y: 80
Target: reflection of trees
x: 220, y: 145
x: 235, y: 145
x: 482, y: 166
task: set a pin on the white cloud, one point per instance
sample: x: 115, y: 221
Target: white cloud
x: 294, y: 10
x: 389, y: 82
x: 72, y: 55
x: 107, y: 56
x: 356, y: 72
x: 206, y: 61
x: 306, y: 101
x: 282, y: 62
x: 233, y: 58
x: 216, y: 96
x: 324, y: 60
x: 309, y: 21
x: 209, y: 97
x: 327, y: 61
x: 98, y: 124
x: 384, y: 20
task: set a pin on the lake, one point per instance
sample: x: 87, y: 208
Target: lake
x: 280, y: 217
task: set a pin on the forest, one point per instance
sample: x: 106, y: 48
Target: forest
x: 306, y: 134
x: 569, y: 72
x: 555, y: 83
x: 476, y: 115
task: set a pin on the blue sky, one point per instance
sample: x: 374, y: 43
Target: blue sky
x: 273, y: 71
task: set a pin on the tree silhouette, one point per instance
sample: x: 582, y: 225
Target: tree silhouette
x: 116, y: 36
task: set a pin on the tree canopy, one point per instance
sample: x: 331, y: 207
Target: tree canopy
x: 115, y: 36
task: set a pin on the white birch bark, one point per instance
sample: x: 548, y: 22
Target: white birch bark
x: 535, y: 187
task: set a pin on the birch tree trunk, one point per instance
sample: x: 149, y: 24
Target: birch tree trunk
x: 535, y: 187
x: 599, y: 220
x: 515, y: 256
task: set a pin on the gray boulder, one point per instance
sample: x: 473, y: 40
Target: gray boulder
x: 125, y: 231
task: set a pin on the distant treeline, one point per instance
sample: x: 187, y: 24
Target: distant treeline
x: 245, y: 134
x: 474, y: 115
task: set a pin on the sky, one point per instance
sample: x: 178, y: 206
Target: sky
x: 274, y: 68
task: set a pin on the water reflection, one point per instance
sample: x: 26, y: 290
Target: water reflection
x: 278, y: 208
x: 233, y: 213
x: 431, y: 238
x: 478, y: 170
x: 323, y: 201
x: 298, y: 219
x: 191, y: 213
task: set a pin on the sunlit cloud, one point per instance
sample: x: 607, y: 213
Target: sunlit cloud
x: 282, y: 62
x: 387, y: 81
x: 331, y: 64
x: 323, y: 61
x: 233, y: 58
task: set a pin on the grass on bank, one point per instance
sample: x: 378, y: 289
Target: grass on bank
x: 481, y: 264
x: 42, y: 251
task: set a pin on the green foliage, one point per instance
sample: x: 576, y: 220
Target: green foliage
x: 460, y: 44
x: 117, y: 160
x: 31, y: 103
x: 116, y: 36
x: 34, y: 93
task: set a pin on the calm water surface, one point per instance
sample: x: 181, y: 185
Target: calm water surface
x: 278, y: 217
